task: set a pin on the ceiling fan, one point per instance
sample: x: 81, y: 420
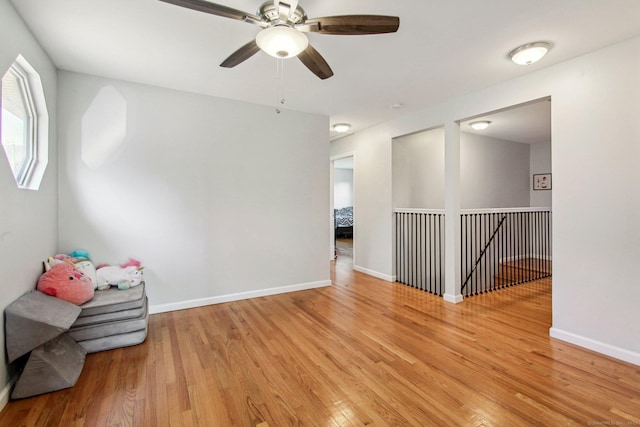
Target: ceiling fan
x: 283, y: 27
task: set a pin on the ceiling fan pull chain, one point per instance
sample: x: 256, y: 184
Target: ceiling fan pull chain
x: 280, y: 89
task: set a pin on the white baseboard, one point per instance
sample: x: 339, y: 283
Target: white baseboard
x: 597, y: 346
x: 453, y: 299
x: 182, y: 305
x: 5, y: 394
x: 373, y: 273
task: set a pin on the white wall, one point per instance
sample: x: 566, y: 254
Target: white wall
x: 342, y: 188
x: 493, y: 173
x: 595, y: 151
x: 418, y: 170
x: 540, y: 162
x: 371, y: 200
x: 214, y: 209
x: 28, y: 219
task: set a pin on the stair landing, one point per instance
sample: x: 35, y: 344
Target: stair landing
x: 523, y: 270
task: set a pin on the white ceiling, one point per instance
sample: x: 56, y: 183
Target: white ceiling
x: 529, y: 123
x: 443, y: 48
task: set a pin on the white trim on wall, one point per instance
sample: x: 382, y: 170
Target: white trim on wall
x: 376, y: 274
x: 182, y: 305
x: 504, y: 210
x: 5, y: 394
x: 342, y: 156
x: 453, y: 299
x: 421, y: 211
x: 597, y: 346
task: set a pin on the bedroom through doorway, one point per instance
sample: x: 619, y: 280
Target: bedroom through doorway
x: 342, y: 209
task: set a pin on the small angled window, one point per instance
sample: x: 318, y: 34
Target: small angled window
x: 24, y: 124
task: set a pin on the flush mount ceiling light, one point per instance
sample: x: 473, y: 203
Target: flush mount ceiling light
x: 282, y: 41
x: 341, y: 127
x: 529, y: 53
x: 480, y: 125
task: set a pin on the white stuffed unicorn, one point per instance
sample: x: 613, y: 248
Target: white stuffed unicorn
x: 124, y: 276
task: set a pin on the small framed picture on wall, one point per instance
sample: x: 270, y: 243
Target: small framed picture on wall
x: 542, y: 181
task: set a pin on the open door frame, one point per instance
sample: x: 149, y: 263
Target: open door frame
x: 332, y: 241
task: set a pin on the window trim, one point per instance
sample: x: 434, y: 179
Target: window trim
x: 31, y: 172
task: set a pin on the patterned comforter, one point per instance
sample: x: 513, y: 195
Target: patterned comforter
x: 344, y: 217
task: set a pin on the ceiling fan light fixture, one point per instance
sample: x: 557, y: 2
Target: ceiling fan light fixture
x: 480, y: 124
x: 341, y: 127
x: 282, y: 41
x: 529, y: 53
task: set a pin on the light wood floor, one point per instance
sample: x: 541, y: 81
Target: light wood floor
x: 344, y: 248
x: 362, y: 352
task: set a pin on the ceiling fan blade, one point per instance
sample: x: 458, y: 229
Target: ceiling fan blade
x: 354, y: 24
x: 216, y: 9
x: 315, y: 63
x: 241, y: 55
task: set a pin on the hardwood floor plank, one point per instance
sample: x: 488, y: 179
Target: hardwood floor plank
x: 361, y: 352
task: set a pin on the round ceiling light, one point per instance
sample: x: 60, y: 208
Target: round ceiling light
x: 282, y: 41
x: 480, y: 125
x: 341, y: 127
x: 529, y: 53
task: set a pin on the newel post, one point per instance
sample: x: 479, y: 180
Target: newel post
x: 452, y: 212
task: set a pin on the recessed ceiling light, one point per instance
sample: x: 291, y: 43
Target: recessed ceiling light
x: 480, y: 125
x: 341, y: 127
x: 396, y: 105
x: 529, y: 53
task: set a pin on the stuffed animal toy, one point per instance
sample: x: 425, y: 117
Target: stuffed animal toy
x: 79, y: 254
x: 125, y: 276
x: 89, y: 270
x: 78, y: 258
x: 66, y: 282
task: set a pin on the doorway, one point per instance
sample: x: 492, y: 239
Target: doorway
x: 342, y: 211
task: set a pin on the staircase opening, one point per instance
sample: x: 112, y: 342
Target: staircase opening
x: 504, y: 247
x: 505, y: 200
x: 506, y: 186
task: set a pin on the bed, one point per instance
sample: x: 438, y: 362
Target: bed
x: 343, y: 220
